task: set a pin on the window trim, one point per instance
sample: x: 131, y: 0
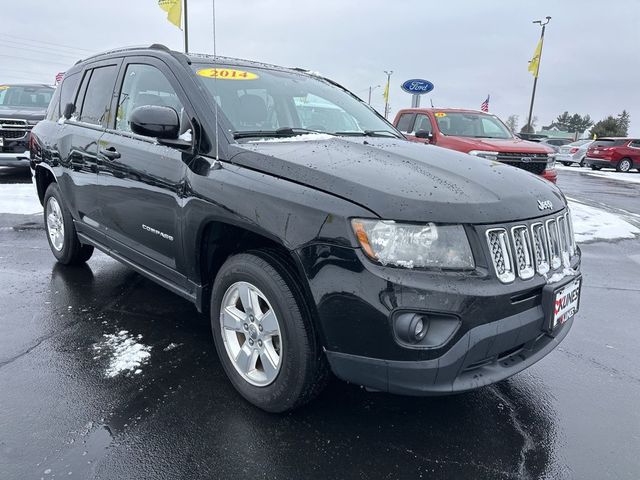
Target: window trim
x: 82, y: 89
x: 173, y: 81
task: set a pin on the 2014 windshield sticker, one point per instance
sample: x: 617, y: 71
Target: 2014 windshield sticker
x: 4, y: 87
x: 440, y: 114
x: 227, y: 74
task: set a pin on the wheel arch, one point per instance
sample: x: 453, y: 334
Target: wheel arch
x: 220, y: 240
x: 43, y: 178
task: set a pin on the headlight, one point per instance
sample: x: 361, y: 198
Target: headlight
x: 551, y: 160
x: 484, y: 154
x: 410, y: 245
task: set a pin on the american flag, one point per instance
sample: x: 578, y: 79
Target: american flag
x: 59, y: 77
x: 485, y: 105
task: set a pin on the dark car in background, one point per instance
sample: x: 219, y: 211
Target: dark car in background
x: 623, y: 154
x: 476, y: 133
x: 313, y: 234
x: 21, y: 107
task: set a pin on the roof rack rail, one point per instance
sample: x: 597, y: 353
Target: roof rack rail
x: 159, y: 46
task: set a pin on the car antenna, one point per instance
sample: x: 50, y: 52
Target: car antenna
x: 215, y: 84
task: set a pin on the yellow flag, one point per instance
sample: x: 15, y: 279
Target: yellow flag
x: 534, y: 63
x: 174, y: 11
x: 385, y: 94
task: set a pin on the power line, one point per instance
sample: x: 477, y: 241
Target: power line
x: 34, y: 60
x: 37, y: 50
x: 12, y: 37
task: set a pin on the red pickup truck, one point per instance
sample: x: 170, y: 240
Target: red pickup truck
x: 476, y: 133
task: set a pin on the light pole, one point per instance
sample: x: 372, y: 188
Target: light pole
x: 538, y: 53
x: 371, y: 89
x: 386, y: 93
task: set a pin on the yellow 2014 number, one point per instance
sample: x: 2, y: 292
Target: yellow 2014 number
x: 227, y: 74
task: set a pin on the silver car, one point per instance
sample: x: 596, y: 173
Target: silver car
x: 573, y: 152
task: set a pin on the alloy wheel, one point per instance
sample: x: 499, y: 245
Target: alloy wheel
x: 251, y: 334
x: 55, y: 224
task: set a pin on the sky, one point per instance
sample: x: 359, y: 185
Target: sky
x: 468, y: 49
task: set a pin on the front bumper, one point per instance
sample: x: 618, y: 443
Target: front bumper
x: 486, y: 354
x: 15, y: 159
x: 599, y: 162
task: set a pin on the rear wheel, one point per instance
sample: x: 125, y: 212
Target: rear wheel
x: 567, y: 164
x: 61, y: 233
x: 624, y: 165
x: 263, y: 333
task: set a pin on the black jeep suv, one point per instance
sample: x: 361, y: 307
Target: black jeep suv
x: 21, y: 107
x: 315, y: 236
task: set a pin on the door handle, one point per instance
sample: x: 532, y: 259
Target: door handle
x: 110, y: 153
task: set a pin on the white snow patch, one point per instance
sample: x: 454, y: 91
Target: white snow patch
x: 591, y: 223
x: 297, y: 138
x: 124, y: 351
x: 171, y: 346
x: 20, y: 198
x: 621, y: 177
x: 186, y: 136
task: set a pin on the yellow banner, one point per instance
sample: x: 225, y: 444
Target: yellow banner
x: 174, y: 11
x: 534, y: 63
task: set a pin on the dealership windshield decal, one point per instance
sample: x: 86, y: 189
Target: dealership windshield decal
x: 227, y: 74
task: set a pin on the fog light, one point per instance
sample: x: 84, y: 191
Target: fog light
x: 419, y: 331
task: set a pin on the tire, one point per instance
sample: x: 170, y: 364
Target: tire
x: 624, y: 165
x: 61, y: 232
x: 567, y: 164
x: 582, y: 161
x: 280, y: 366
x: 595, y: 167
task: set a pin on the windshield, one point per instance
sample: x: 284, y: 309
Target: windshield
x: 25, y: 96
x: 264, y: 102
x: 476, y: 125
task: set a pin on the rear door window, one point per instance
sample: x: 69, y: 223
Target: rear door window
x: 97, y: 98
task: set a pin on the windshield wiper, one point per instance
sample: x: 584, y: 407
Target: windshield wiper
x: 280, y: 132
x: 368, y: 133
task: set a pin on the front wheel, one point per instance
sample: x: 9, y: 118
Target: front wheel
x: 61, y: 233
x: 595, y: 167
x: 567, y: 164
x: 624, y: 165
x: 263, y: 332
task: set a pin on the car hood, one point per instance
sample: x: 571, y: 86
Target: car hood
x: 22, y: 113
x: 502, y: 145
x: 405, y: 181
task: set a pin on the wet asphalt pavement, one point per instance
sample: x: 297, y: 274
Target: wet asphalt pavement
x: 575, y: 414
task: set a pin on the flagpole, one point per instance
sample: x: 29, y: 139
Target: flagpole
x: 186, y: 28
x: 535, y: 78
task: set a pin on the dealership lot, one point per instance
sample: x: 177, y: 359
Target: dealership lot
x: 104, y: 373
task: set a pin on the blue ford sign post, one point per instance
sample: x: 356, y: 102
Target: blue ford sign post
x: 417, y: 87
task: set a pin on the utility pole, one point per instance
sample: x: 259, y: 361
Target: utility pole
x: 371, y: 89
x: 186, y: 27
x: 535, y: 76
x: 386, y: 93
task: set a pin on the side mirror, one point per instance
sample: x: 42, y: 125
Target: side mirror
x: 69, y: 108
x: 424, y: 134
x: 155, y: 121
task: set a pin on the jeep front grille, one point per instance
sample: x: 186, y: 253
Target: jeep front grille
x: 526, y: 249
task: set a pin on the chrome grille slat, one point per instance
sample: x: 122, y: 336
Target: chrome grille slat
x: 541, y: 247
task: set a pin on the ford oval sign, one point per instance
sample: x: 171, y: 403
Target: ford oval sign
x: 417, y: 86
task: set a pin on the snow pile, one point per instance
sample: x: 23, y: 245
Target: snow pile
x: 19, y: 198
x: 124, y: 352
x: 590, y: 223
x: 631, y: 177
x: 297, y: 138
